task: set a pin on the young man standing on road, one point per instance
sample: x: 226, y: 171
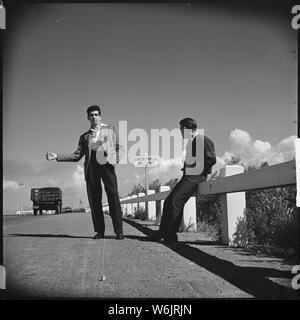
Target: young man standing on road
x: 102, y: 151
x: 199, y: 159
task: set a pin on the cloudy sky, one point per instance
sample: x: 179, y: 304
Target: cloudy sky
x: 151, y: 65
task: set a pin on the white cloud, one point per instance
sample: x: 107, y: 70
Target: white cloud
x: 261, y: 146
x: 286, y: 144
x: 284, y: 150
x: 167, y: 170
x: 9, y: 184
x: 240, y: 138
x: 165, y: 164
x: 251, y: 152
x: 74, y: 189
x: 78, y: 177
x: 255, y: 152
x: 52, y: 182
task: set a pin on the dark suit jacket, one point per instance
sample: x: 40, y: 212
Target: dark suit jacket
x: 107, y: 146
x: 193, y: 149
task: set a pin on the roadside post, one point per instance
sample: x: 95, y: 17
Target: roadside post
x: 146, y: 162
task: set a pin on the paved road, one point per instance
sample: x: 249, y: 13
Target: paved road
x: 54, y: 256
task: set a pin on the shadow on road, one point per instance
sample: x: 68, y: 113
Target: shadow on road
x: 45, y: 235
x: 252, y: 280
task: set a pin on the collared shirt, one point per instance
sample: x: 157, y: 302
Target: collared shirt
x: 95, y: 136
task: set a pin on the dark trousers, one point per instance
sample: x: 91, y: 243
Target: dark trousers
x: 106, y: 173
x: 175, y: 201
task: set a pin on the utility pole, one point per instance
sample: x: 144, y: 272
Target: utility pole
x: 146, y: 179
x: 21, y: 204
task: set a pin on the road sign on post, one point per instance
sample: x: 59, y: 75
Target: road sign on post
x: 146, y: 162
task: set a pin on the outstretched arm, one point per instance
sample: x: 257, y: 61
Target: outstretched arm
x: 72, y: 157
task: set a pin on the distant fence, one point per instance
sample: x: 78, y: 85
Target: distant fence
x: 231, y: 187
x: 24, y: 212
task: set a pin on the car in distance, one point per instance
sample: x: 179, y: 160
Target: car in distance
x: 68, y: 209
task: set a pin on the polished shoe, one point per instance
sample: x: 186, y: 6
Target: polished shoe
x: 119, y: 236
x: 98, y: 236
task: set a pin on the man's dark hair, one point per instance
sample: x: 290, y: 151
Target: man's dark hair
x: 93, y: 108
x: 188, y: 123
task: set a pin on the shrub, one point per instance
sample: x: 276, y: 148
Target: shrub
x: 209, y: 216
x: 272, y: 217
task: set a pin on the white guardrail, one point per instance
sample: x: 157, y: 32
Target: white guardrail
x: 231, y: 186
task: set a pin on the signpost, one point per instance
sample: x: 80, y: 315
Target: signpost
x: 21, y: 185
x: 146, y: 162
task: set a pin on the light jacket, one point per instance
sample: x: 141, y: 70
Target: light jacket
x: 107, y: 147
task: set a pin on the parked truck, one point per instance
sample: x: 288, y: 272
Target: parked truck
x: 46, y: 199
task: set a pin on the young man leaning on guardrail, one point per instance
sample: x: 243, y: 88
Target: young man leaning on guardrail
x: 199, y: 159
